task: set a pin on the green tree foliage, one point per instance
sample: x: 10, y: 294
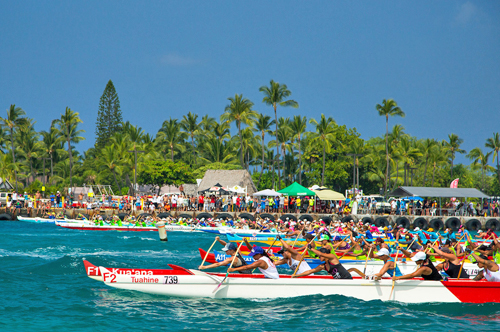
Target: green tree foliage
x: 388, y: 108
x: 109, y: 116
x: 276, y: 94
x: 276, y: 152
x: 160, y: 173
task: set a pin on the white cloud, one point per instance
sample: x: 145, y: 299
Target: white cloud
x: 174, y: 59
x: 466, y: 13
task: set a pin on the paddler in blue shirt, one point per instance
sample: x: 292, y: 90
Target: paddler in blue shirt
x: 390, y: 267
x: 230, y: 249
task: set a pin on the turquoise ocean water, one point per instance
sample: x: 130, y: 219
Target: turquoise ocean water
x: 43, y: 287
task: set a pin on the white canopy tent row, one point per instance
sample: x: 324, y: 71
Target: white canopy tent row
x: 267, y: 192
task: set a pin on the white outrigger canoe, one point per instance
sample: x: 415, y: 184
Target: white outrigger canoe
x: 47, y: 220
x: 181, y: 282
x: 91, y: 226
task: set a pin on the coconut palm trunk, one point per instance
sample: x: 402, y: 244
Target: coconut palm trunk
x: 323, y: 172
x: 300, y: 162
x: 241, y: 144
x: 277, y: 145
x: 386, y: 152
x: 13, y: 155
x: 70, y: 163
x: 425, y: 170
x: 262, y: 165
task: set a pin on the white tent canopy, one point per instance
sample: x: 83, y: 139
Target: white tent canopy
x: 267, y: 192
x: 238, y: 190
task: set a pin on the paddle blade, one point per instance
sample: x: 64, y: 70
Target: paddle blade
x: 216, y: 288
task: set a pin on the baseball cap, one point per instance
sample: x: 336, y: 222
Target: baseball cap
x: 474, y: 261
x: 382, y: 252
x: 325, y: 250
x: 256, y: 251
x: 419, y: 256
x: 230, y: 246
x: 324, y: 237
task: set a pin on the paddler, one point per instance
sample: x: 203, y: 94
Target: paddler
x: 380, y: 244
x: 230, y: 249
x: 491, y: 270
x: 262, y: 261
x: 390, y: 267
x: 331, y: 265
x: 426, y: 269
x: 292, y: 257
x: 451, y: 265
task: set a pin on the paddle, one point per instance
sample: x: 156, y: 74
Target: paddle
x: 302, y: 255
x: 230, y: 266
x: 206, y: 255
x: 269, y: 248
x: 295, y: 240
x: 456, y: 244
x: 395, y: 265
x: 367, y: 258
x: 465, y: 256
x: 412, y: 242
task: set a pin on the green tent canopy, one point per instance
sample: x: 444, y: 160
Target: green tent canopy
x: 296, y: 189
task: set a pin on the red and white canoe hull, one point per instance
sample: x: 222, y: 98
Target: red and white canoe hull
x: 181, y: 282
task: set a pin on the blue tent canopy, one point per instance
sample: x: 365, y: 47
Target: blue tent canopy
x: 414, y: 198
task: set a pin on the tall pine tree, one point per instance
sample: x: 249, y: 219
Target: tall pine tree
x: 109, y: 117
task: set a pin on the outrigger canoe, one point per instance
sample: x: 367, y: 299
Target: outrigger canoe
x: 267, y: 241
x: 181, y: 282
x: 47, y: 220
x: 373, y: 266
x: 91, y: 226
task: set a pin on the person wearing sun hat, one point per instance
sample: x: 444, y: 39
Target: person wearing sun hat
x: 390, y: 267
x: 230, y: 249
x: 425, y: 270
x: 262, y: 261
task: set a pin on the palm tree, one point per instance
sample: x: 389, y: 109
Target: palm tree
x: 240, y: 111
x: 170, y: 132
x: 298, y: 127
x: 263, y: 125
x: 426, y: 150
x: 388, y: 108
x: 207, y: 123
x: 325, y: 135
x: 51, y: 143
x: 453, y: 146
x: 68, y: 128
x: 284, y: 135
x: 494, y: 144
x: 480, y: 160
x: 13, y: 120
x: 190, y: 125
x: 409, y: 153
x: 30, y: 146
x: 109, y: 160
x: 394, y: 154
x: 437, y: 158
x: 276, y: 94
x: 216, y: 151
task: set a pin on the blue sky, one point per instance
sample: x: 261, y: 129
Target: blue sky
x: 440, y: 60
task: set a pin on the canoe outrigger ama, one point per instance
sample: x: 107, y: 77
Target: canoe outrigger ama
x: 181, y: 282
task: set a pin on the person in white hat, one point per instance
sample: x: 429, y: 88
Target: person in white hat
x: 390, y: 267
x: 425, y: 270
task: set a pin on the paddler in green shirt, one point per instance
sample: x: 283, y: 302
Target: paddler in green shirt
x: 309, y: 238
x: 430, y: 251
x: 357, y: 249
